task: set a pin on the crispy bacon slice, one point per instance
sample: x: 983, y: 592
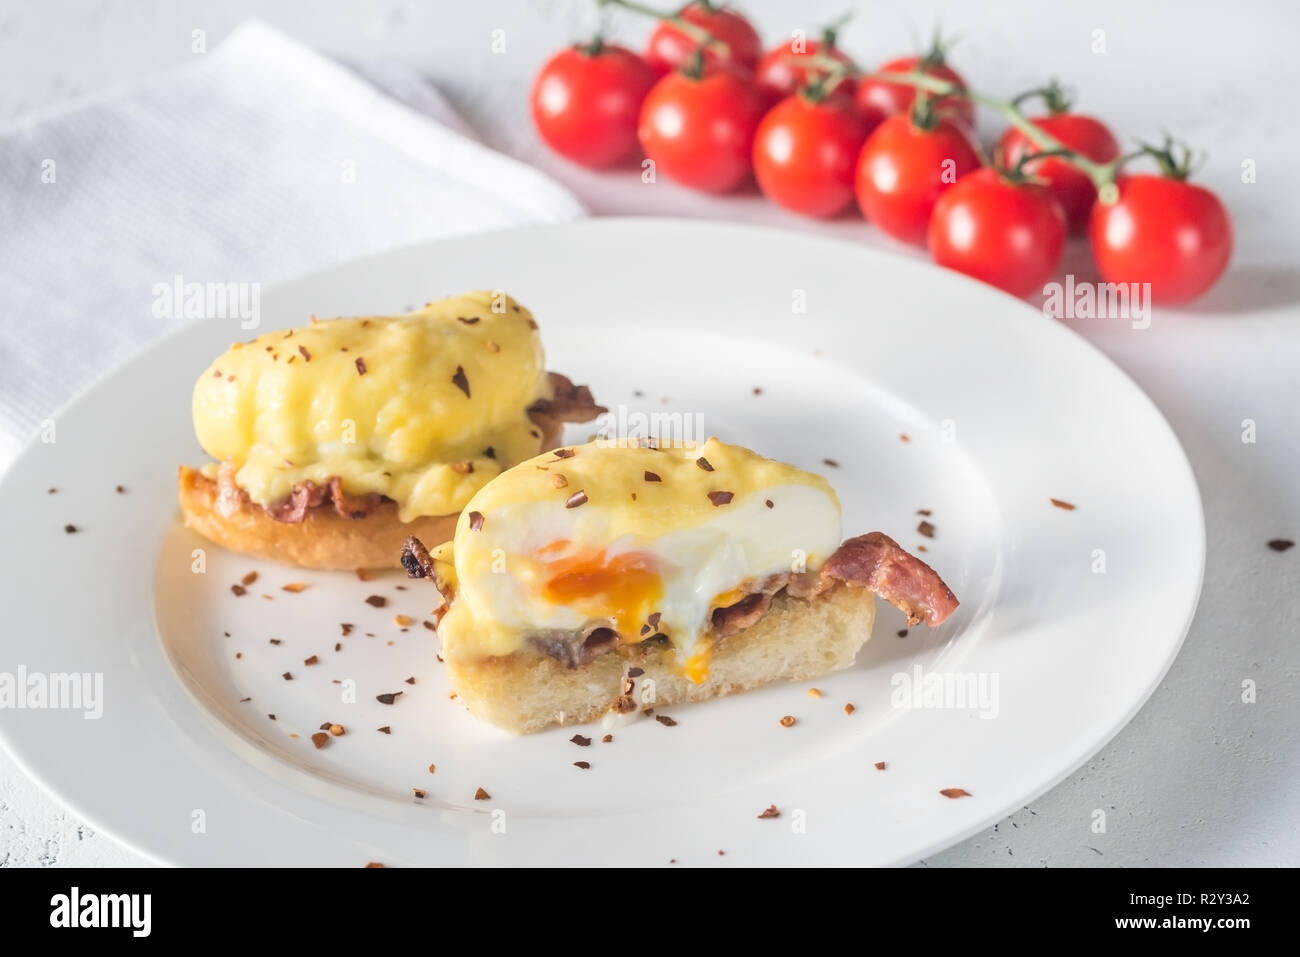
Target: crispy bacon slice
x: 308, y: 494
x: 873, y: 561
x: 568, y: 403
x: 878, y: 562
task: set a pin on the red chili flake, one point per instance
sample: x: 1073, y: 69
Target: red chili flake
x: 849, y: 709
x: 703, y: 463
x: 1281, y: 544
x: 770, y: 813
x: 373, y: 864
x: 361, y: 365
x: 581, y: 741
x: 305, y: 354
x: 902, y: 633
x: 385, y: 730
x: 565, y: 453
x: 237, y: 590
x: 577, y: 498
x: 666, y: 721
x: 830, y: 463
x: 411, y: 680
x: 926, y: 529
x: 904, y: 437
x: 585, y: 765
x: 272, y: 717
x: 607, y: 739
x: 1060, y: 504
x: 363, y: 574
x: 720, y: 498
x: 787, y: 721
x: 955, y: 793
x: 468, y: 320
x: 275, y: 641
x: 880, y: 765
x: 430, y: 625
x: 460, y: 382
x: 320, y: 739
x: 768, y: 503
x: 420, y: 793
x: 243, y: 700
x: 338, y: 646
x: 923, y: 511
x: 377, y: 601
x: 758, y: 390
x: 121, y: 490
x: 652, y: 477
x: 635, y: 672
x: 481, y: 795
x: 388, y: 697
x: 287, y: 676
x: 346, y: 628
x: 922, y: 548
x: 313, y: 660
x: 475, y: 521
x: 239, y: 654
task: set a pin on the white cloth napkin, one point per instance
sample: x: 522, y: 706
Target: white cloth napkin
x: 260, y: 161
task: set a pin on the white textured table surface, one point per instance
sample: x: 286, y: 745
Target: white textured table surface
x: 1199, y: 777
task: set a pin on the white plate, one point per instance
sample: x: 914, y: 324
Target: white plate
x: 1005, y: 410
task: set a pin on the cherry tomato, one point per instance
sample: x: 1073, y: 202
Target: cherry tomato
x: 1165, y: 231
x: 1072, y: 187
x: 586, y: 101
x: 700, y: 130
x: 1010, y: 235
x: 876, y: 98
x: 781, y: 73
x: 805, y: 154
x: 670, y: 48
x: 903, y: 168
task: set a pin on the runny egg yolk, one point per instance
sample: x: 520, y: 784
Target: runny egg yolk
x: 624, y: 587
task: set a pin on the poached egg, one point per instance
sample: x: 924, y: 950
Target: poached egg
x: 642, y: 540
x: 424, y: 408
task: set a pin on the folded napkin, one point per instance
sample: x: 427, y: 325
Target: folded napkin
x: 260, y: 161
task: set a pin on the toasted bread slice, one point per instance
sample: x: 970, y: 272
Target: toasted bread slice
x: 323, y: 539
x: 797, y: 639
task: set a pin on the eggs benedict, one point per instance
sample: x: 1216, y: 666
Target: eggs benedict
x: 606, y: 578
x: 335, y: 441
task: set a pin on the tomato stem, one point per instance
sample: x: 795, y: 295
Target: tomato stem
x: 1056, y: 99
x: 831, y: 32
x: 693, y: 30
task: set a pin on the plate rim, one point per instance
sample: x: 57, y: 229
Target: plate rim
x: 141, y: 355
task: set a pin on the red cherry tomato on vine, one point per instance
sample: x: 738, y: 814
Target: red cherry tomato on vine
x: 1010, y: 235
x: 805, y: 154
x: 670, y: 48
x: 783, y: 71
x: 1165, y: 231
x: 586, y: 101
x: 903, y: 169
x: 1072, y: 187
x: 876, y: 98
x: 700, y: 130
